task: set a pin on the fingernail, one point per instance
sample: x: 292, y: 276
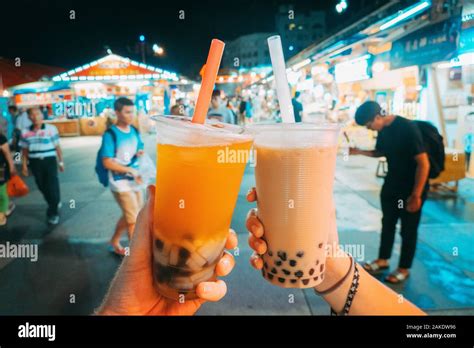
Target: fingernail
x: 225, y: 263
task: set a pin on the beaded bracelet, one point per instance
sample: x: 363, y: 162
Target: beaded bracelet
x: 351, y: 294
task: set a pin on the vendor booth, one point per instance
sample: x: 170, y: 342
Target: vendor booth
x: 80, y: 101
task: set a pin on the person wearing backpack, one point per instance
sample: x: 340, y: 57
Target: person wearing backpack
x: 117, y: 167
x: 405, y: 187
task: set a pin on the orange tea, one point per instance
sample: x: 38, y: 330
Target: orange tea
x: 199, y: 170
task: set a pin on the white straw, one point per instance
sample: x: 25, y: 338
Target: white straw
x: 279, y: 71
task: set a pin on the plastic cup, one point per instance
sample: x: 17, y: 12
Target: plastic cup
x: 199, y: 171
x: 294, y: 180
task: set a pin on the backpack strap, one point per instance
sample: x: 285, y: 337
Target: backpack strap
x: 114, y: 139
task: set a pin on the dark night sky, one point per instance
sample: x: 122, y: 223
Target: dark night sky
x: 40, y: 31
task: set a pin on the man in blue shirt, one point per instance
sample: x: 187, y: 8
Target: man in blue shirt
x: 121, y: 146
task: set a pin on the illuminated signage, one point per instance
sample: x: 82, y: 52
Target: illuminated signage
x: 353, y: 70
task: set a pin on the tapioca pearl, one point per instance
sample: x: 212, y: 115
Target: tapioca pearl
x: 270, y: 253
x: 315, y: 278
x: 293, y: 263
x: 273, y: 270
x: 278, y: 263
x: 183, y: 256
x: 270, y: 276
x: 282, y: 255
x: 158, y: 244
x: 263, y: 272
x: 321, y: 268
x: 322, y: 276
x: 265, y: 265
x: 317, y: 262
x: 286, y: 271
x: 320, y: 245
x: 305, y: 281
x: 281, y: 280
x: 293, y: 281
x: 299, y: 274
x: 300, y: 253
x: 311, y: 271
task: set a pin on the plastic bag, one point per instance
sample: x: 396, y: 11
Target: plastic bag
x: 147, y: 169
x: 16, y: 187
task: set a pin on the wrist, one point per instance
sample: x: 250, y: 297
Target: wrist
x: 336, y: 268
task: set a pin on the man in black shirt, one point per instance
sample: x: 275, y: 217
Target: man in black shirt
x: 405, y: 187
x: 297, y: 107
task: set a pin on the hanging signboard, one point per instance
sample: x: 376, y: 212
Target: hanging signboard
x: 434, y: 43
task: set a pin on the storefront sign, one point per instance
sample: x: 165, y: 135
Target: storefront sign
x: 434, y: 43
x: 31, y: 99
x: 353, y: 70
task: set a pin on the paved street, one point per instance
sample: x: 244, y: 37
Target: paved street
x: 73, y: 259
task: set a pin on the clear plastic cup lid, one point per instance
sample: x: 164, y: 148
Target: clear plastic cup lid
x: 296, y: 134
x: 179, y: 130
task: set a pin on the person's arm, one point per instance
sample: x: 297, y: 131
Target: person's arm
x: 59, y: 153
x: 6, y: 152
x: 372, y: 297
x: 421, y: 176
x: 110, y: 164
x: 368, y: 153
x: 24, y: 164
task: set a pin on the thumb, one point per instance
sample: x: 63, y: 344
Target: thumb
x: 141, y: 245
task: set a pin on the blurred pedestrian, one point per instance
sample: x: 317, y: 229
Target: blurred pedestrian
x: 218, y: 109
x: 469, y: 140
x: 119, y: 152
x: 178, y: 110
x: 297, y: 107
x: 42, y: 152
x: 7, y: 169
x: 230, y: 106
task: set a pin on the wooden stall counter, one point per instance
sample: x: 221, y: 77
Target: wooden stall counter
x: 66, y: 127
x: 454, y: 170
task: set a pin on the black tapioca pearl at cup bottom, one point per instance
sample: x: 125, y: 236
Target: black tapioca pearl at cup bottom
x: 282, y: 255
x: 270, y: 253
x: 183, y: 256
x: 292, y: 263
x: 158, y: 244
x: 299, y: 274
x: 322, y: 276
x: 321, y: 268
x: 270, y: 276
x: 281, y: 280
x: 265, y: 265
x: 278, y: 263
x: 305, y: 281
x: 263, y: 272
x: 300, y: 253
x: 320, y: 245
x: 315, y: 278
x: 273, y: 270
x: 286, y: 271
x: 293, y: 281
x: 311, y: 271
x: 317, y: 262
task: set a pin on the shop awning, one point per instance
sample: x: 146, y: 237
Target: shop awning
x: 113, y: 68
x: 39, y: 87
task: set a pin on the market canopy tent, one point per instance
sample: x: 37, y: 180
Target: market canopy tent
x: 12, y: 75
x: 114, y: 67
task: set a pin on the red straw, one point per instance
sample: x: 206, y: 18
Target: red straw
x: 208, y: 80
